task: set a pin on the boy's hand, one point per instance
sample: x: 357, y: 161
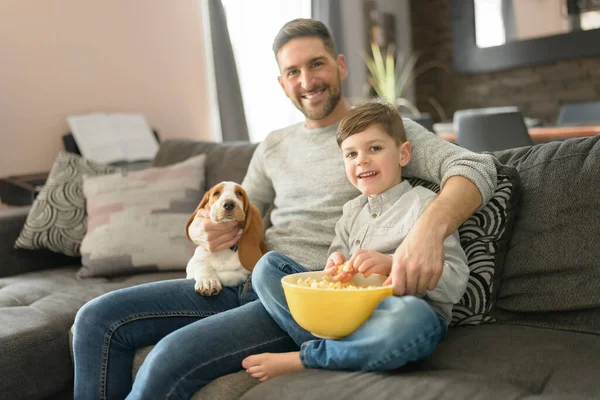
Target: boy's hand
x: 333, y: 262
x: 368, y: 262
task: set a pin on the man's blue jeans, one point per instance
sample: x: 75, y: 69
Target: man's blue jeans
x: 401, y: 329
x: 197, y: 339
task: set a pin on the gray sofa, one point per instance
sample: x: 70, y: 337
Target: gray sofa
x: 544, y: 345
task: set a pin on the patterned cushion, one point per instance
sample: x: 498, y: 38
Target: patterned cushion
x: 136, y: 220
x: 56, y: 220
x: 484, y: 237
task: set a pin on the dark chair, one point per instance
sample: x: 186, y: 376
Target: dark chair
x: 587, y: 113
x: 491, y: 129
x: 424, y: 120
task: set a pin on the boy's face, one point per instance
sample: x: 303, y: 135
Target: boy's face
x: 373, y: 160
x: 311, y: 77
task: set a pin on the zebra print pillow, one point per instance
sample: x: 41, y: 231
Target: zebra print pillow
x: 56, y: 220
x: 484, y: 237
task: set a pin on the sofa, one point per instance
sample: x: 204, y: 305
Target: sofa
x: 544, y: 343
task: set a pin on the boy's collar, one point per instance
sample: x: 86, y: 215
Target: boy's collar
x: 392, y: 193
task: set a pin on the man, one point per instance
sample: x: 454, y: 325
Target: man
x: 298, y: 172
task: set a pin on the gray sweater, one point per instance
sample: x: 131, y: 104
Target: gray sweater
x: 381, y: 223
x: 298, y: 174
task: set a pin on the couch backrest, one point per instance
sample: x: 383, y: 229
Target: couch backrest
x: 224, y: 161
x: 552, y: 266
x: 552, y: 269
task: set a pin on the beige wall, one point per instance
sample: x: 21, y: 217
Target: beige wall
x: 535, y: 20
x: 61, y: 57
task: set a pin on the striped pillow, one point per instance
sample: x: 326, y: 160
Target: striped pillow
x: 136, y: 221
x: 484, y: 237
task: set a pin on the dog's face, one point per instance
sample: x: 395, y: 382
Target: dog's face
x: 226, y: 201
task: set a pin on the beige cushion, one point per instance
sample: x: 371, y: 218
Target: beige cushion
x: 136, y: 220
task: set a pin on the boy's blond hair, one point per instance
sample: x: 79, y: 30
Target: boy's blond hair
x: 373, y: 112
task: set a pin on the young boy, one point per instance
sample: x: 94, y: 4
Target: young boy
x: 402, y: 329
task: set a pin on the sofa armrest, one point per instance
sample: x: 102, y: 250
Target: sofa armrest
x: 17, y: 261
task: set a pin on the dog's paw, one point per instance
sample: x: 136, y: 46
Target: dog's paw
x: 208, y: 286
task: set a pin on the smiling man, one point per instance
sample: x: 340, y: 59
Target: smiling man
x: 296, y: 172
x: 312, y: 82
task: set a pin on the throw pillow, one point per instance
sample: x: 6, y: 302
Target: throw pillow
x: 56, y: 220
x: 136, y: 221
x: 484, y: 237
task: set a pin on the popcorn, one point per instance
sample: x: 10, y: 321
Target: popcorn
x: 327, y: 283
x: 344, y: 268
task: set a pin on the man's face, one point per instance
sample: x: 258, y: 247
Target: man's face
x: 311, y: 77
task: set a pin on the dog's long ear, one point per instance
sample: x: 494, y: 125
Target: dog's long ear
x: 202, y: 204
x: 251, y: 246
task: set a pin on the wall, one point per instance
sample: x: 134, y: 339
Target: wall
x: 62, y: 57
x: 538, y: 91
x: 533, y: 20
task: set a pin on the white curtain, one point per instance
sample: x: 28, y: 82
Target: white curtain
x: 252, y: 28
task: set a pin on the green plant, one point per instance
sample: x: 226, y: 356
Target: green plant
x: 390, y: 78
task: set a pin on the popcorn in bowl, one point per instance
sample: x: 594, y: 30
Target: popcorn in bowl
x: 316, y: 308
x: 327, y: 283
x: 344, y: 268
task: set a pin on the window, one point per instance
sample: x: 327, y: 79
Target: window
x: 489, y: 24
x: 252, y: 28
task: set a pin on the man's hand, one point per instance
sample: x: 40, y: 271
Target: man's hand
x: 418, y: 262
x: 213, y: 237
x: 369, y: 262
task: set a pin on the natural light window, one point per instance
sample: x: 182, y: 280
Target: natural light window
x: 489, y: 24
x: 252, y: 28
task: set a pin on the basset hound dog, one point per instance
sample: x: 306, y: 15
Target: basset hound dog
x: 226, y: 201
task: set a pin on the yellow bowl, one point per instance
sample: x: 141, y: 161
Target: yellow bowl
x: 333, y: 313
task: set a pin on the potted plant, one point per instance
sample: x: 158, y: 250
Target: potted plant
x: 390, y: 78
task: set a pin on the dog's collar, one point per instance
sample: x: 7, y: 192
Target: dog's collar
x: 234, y: 247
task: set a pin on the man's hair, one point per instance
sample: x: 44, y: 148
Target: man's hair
x: 373, y: 112
x: 303, y: 27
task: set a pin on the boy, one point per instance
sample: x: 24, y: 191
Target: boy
x: 402, y: 329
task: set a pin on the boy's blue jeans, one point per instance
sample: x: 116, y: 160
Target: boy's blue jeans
x: 401, y: 329
x: 198, y: 339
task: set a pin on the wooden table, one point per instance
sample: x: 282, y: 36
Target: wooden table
x: 546, y: 134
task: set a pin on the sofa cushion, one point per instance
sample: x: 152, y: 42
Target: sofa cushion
x: 226, y: 161
x: 36, y: 312
x: 552, y: 269
x: 56, y: 220
x: 430, y: 385
x: 484, y: 237
x: 136, y: 220
x: 538, y: 360
x: 17, y: 261
x: 484, y: 362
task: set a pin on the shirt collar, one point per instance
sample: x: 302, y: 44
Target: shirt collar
x: 390, y: 195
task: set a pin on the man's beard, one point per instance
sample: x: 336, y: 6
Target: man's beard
x: 325, y: 109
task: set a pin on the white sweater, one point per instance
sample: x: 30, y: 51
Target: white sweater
x: 298, y: 174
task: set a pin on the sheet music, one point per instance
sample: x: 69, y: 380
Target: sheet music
x: 108, y: 138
